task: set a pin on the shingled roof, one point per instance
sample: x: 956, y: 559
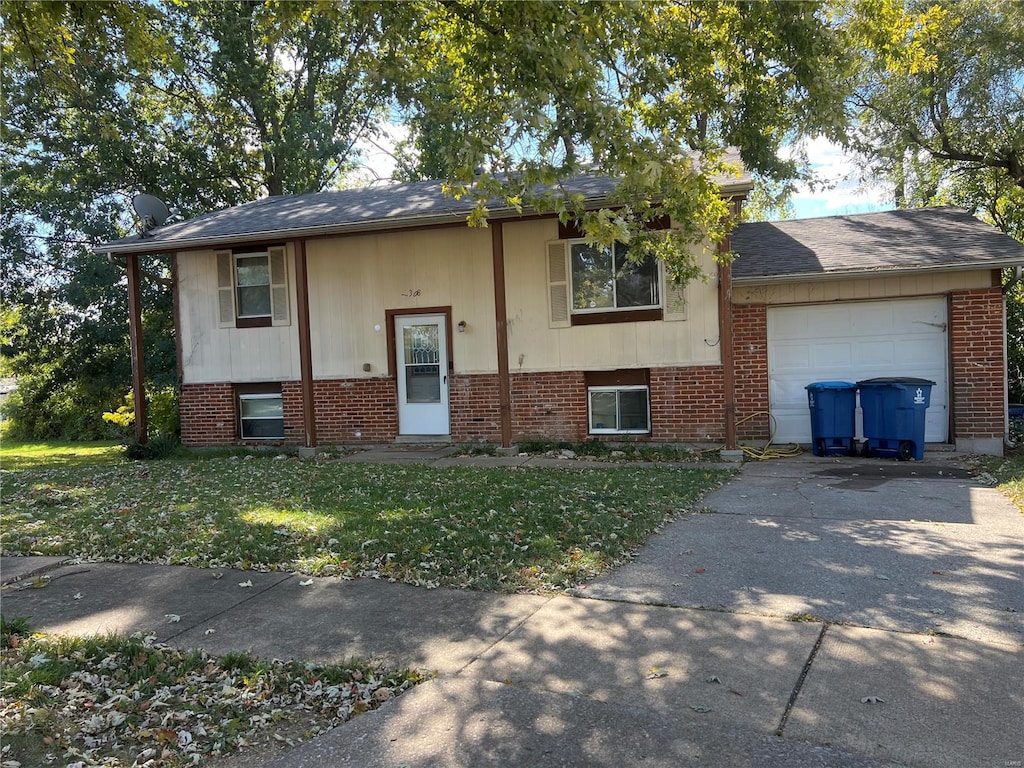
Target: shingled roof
x: 366, y: 209
x: 887, y: 242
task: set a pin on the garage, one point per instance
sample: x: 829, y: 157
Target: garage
x: 852, y: 341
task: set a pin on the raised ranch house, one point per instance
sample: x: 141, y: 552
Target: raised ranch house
x: 377, y: 315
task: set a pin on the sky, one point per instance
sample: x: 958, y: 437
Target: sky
x: 847, y: 194
x: 844, y: 193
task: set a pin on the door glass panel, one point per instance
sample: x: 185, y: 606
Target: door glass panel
x: 422, y: 364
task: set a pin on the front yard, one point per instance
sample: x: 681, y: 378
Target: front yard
x: 501, y: 529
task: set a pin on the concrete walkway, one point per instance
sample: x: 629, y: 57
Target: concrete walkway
x: 570, y: 681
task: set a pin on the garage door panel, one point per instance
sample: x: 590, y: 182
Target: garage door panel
x: 794, y: 357
x: 852, y: 341
x: 831, y: 354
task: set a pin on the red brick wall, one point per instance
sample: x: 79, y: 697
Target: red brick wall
x: 475, y: 407
x: 750, y: 357
x: 687, y: 404
x: 208, y: 414
x: 352, y: 411
x: 549, y: 405
x: 976, y: 356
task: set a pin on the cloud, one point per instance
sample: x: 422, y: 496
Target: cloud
x: 838, y: 187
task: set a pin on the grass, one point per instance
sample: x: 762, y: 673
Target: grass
x: 18, y: 456
x: 525, y: 529
x: 126, y: 701
x: 1008, y: 474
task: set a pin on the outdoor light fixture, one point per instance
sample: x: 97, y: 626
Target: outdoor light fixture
x: 461, y: 326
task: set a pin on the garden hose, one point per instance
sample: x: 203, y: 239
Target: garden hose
x: 768, y: 451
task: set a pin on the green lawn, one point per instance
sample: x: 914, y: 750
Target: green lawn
x: 16, y: 456
x: 524, y: 529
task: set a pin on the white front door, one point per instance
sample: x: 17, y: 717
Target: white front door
x: 421, y: 346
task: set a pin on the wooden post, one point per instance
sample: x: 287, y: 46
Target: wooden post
x: 305, y: 344
x: 501, y: 332
x: 135, y: 341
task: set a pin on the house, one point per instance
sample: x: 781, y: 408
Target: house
x: 378, y: 315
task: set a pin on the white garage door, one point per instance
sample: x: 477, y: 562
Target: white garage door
x: 852, y: 341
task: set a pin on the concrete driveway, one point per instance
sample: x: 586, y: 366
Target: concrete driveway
x: 915, y: 547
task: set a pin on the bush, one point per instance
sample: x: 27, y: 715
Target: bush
x: 157, y: 447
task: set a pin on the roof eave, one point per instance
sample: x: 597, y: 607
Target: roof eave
x: 810, y: 277
x: 138, y: 247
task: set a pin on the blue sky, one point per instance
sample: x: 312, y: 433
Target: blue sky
x: 845, y: 193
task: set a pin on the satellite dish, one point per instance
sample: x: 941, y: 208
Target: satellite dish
x: 152, y: 211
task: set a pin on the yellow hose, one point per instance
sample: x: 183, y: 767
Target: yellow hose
x: 768, y: 451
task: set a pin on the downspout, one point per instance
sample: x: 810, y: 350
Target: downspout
x: 305, y: 345
x: 135, y: 342
x: 501, y: 332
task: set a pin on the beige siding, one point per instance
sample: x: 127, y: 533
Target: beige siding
x: 214, y: 354
x: 926, y: 284
x: 534, y: 346
x: 354, y: 280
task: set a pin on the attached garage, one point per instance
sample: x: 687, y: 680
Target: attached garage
x: 851, y: 341
x: 846, y: 298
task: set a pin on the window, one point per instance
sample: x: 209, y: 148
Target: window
x: 253, y: 288
x: 617, y: 410
x: 261, y: 415
x: 252, y: 278
x: 603, y: 279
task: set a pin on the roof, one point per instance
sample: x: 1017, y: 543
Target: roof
x: 905, y: 240
x: 366, y: 209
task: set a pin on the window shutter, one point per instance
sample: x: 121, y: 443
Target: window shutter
x: 558, y: 284
x: 279, y: 286
x: 226, y: 288
x: 675, y: 299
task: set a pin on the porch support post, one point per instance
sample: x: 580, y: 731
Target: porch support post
x: 305, y: 344
x: 725, y: 335
x: 135, y: 342
x: 501, y: 332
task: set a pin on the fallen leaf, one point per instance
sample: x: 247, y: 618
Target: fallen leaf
x: 306, y: 583
x: 939, y: 573
x: 172, y: 618
x: 872, y: 700
x: 210, y: 631
x: 883, y: 578
x: 245, y: 583
x: 714, y: 679
x: 699, y: 570
x: 700, y: 708
x: 78, y: 596
x: 218, y: 575
x: 656, y: 672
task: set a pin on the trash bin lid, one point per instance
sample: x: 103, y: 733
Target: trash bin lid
x: 883, y: 381
x: 818, y: 385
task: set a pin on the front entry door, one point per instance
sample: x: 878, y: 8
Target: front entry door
x: 422, y: 367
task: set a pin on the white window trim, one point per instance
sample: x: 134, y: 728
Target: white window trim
x: 260, y: 396
x: 617, y: 389
x: 659, y: 278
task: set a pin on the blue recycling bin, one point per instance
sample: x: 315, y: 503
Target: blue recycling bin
x: 894, y: 415
x: 833, y: 407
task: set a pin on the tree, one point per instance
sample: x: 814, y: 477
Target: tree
x: 535, y: 92
x: 208, y: 104
x: 203, y: 104
x: 939, y: 105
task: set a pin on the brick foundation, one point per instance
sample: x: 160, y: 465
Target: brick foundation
x: 550, y: 406
x: 351, y: 411
x: 475, y: 407
x: 977, y: 362
x: 687, y: 404
x: 208, y: 415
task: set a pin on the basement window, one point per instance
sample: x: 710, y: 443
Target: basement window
x: 261, y: 415
x: 619, y: 410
